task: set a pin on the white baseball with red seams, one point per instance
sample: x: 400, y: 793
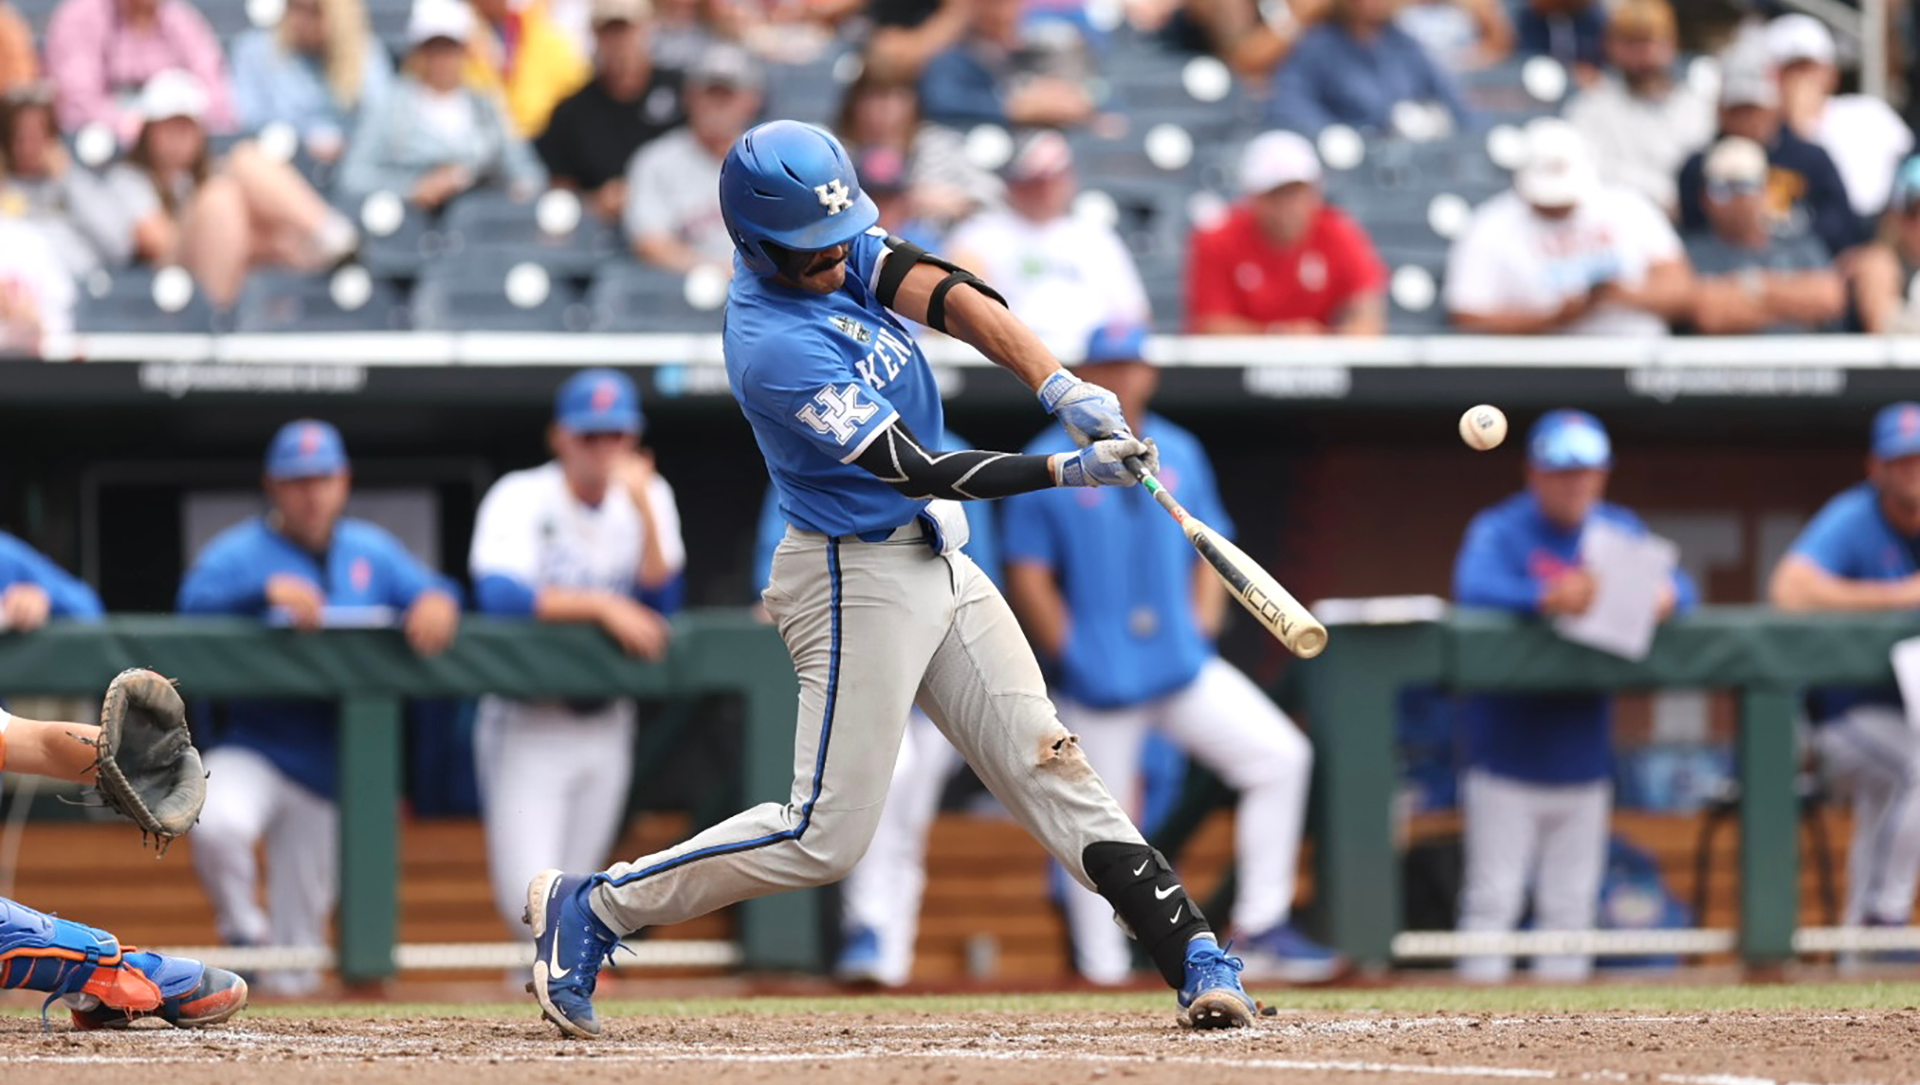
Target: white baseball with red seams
x: 1483, y: 427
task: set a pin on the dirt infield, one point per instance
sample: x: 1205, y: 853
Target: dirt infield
x: 1878, y: 1047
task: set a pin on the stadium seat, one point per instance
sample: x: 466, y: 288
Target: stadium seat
x: 493, y: 230
x: 805, y: 92
x: 399, y: 254
x: 632, y: 297
x: 125, y: 303
x: 456, y: 297
x: 284, y: 301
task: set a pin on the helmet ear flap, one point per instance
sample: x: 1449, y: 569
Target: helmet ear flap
x: 786, y: 261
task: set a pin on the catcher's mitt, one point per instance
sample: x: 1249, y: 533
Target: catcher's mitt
x: 147, y: 769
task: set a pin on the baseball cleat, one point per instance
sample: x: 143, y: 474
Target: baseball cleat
x: 1282, y: 954
x: 859, y: 960
x: 200, y: 995
x: 1212, y: 996
x: 569, y: 944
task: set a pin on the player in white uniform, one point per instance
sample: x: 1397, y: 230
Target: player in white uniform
x: 591, y: 536
x: 879, y: 608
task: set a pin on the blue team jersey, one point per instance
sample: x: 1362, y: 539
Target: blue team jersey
x: 1509, y: 554
x: 364, y: 566
x: 67, y: 595
x: 1851, y: 538
x: 983, y: 544
x: 819, y: 377
x: 1125, y: 570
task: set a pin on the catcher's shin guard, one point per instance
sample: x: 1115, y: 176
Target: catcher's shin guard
x: 1154, y: 908
x: 40, y: 952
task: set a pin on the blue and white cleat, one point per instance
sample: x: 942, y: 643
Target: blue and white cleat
x: 1212, y: 996
x: 569, y: 945
x: 1284, y: 955
x: 859, y: 960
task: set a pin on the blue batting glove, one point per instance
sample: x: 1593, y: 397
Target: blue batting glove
x: 1088, y: 411
x: 1104, y: 463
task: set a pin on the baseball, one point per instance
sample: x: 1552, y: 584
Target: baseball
x: 1483, y: 427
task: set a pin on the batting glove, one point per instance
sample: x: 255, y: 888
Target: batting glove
x: 1089, y: 412
x: 1103, y: 463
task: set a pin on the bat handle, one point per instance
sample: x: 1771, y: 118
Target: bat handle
x: 1138, y: 468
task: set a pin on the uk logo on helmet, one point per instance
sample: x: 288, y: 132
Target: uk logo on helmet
x: 834, y: 196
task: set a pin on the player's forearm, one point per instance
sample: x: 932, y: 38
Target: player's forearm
x: 62, y: 751
x: 1799, y: 585
x: 1209, y: 601
x: 655, y: 569
x: 1006, y: 341
x: 571, y: 604
x: 898, y: 459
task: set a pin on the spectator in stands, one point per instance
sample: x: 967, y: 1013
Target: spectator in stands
x: 314, y: 72
x: 1746, y: 280
x: 1884, y: 272
x: 1862, y: 553
x: 432, y: 137
x: 1562, y: 252
x: 683, y: 30
x: 1361, y: 70
x: 909, y: 33
x: 100, y: 53
x: 36, y: 290
x: 592, y: 536
x: 1536, y: 796
x: 1862, y: 134
x: 1251, y: 38
x: 19, y: 64
x: 945, y: 186
x: 1804, y: 189
x: 306, y: 565
x: 673, y: 204
x: 1069, y: 277
x: 596, y: 132
x: 37, y: 177
x: 34, y: 589
x: 1284, y: 261
x: 1462, y: 35
x: 1572, y: 32
x: 885, y: 180
x: 984, y: 79
x: 521, y: 54
x: 169, y: 202
x: 1639, y: 121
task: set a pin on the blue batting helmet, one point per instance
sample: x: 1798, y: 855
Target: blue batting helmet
x: 792, y: 186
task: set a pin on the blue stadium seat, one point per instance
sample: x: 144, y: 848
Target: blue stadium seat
x: 805, y: 92
x: 455, y: 297
x: 494, y: 230
x: 402, y: 253
x: 285, y: 301
x: 632, y: 297
x: 127, y: 305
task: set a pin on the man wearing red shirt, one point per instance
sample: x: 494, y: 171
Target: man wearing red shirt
x: 1283, y: 261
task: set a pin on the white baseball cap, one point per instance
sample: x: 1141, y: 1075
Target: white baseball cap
x: 174, y: 92
x: 430, y: 19
x: 1736, y: 160
x: 1558, y: 171
x: 1799, y: 37
x: 1273, y: 159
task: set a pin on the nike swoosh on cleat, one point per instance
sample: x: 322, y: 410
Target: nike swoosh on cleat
x: 1177, y: 913
x: 554, y: 971
x: 1141, y: 867
x: 1162, y: 894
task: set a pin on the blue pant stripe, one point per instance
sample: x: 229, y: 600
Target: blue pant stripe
x: 820, y: 758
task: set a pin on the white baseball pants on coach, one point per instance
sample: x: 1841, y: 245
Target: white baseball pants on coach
x: 884, y: 891
x: 1550, y: 837
x: 874, y: 628
x: 1874, y: 754
x: 1226, y: 723
x: 250, y: 801
x: 553, y: 784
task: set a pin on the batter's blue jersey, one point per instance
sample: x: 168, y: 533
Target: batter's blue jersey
x: 1850, y: 538
x: 819, y: 377
x: 1125, y: 570
x: 1510, y: 552
x: 983, y: 544
x: 364, y: 566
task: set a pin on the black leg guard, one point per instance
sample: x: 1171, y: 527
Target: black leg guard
x: 1140, y: 885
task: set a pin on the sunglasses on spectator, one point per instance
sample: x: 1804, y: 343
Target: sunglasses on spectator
x: 1726, y: 190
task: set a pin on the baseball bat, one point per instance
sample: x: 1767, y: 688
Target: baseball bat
x: 1256, y: 589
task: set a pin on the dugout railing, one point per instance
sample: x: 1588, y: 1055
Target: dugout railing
x: 1767, y: 658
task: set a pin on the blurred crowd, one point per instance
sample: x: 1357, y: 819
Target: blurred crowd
x: 1649, y: 193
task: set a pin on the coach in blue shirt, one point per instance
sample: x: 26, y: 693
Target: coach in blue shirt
x: 306, y: 564
x: 33, y: 588
x: 1354, y: 68
x: 1536, y: 797
x: 1862, y: 552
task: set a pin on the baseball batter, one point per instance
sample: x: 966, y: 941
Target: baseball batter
x: 878, y: 607
x: 591, y: 536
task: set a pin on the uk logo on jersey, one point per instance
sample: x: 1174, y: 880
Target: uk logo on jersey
x: 834, y: 196
x: 837, y: 413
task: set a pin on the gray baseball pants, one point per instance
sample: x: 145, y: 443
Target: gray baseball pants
x: 875, y: 628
